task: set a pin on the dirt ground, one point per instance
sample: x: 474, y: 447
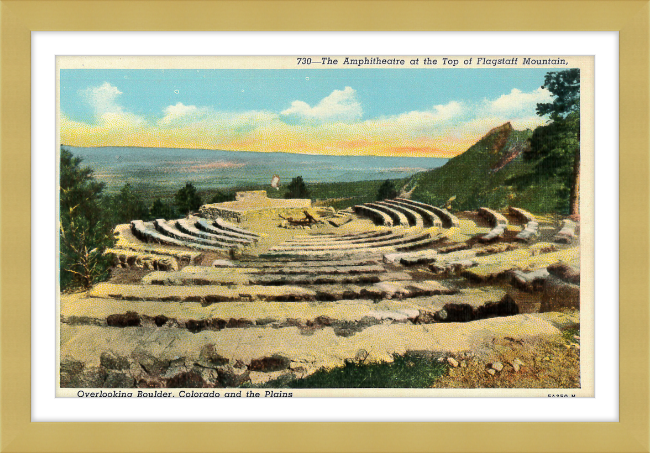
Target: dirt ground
x: 541, y: 363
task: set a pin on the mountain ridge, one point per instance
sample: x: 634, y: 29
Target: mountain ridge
x: 491, y: 173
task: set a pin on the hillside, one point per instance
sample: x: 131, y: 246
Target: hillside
x: 491, y: 173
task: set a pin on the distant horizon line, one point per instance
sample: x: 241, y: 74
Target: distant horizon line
x: 261, y: 152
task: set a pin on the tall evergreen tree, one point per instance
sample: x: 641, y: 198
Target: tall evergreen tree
x: 84, y: 230
x: 297, y: 189
x: 386, y: 191
x: 557, y: 144
x: 187, y: 199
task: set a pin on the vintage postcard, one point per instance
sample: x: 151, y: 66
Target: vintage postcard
x: 325, y: 226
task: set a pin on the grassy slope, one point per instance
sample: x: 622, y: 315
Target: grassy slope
x: 469, y: 177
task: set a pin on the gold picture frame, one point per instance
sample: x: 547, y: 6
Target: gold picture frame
x: 19, y: 18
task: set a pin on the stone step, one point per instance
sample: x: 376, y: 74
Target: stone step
x: 287, y: 293
x: 194, y: 316
x: 414, y: 218
x: 376, y: 252
x: 167, y: 229
x: 342, y: 243
x: 203, y: 225
x: 565, y: 272
x: 127, y: 241
x: 411, y: 258
x: 272, y: 265
x: 316, y: 270
x: 521, y: 214
x: 448, y: 219
x: 397, y: 216
x: 130, y: 259
x: 371, y: 237
x: 328, y: 255
x: 567, y: 232
x: 217, y: 276
x: 497, y: 266
x: 529, y: 233
x: 389, y: 241
x: 100, y: 357
x: 457, y: 261
x: 493, y: 217
x: 428, y: 216
x: 559, y: 295
x: 227, y: 226
x: 495, y: 233
x: 145, y: 233
x: 377, y: 215
x: 186, y: 227
x: 351, y: 314
x: 529, y: 281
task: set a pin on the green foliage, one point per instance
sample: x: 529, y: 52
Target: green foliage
x: 408, y: 371
x: 161, y: 210
x: 221, y: 197
x: 565, y: 86
x: 386, y: 191
x: 187, y: 199
x: 84, y: 228
x: 476, y: 177
x: 126, y: 206
x: 297, y: 189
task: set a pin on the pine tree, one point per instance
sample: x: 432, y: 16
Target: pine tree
x: 84, y: 230
x: 187, y: 199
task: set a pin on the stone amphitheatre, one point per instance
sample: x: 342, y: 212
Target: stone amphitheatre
x: 259, y: 290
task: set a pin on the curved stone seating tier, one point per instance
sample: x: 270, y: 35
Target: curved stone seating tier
x: 405, y: 239
x: 377, y: 216
x: 136, y: 245
x: 333, y: 269
x: 414, y: 218
x: 144, y: 233
x: 163, y: 227
x: 326, y: 243
x: 499, y: 265
x: 131, y: 259
x: 350, y: 253
x: 207, y: 294
x: 448, y: 219
x: 429, y: 217
x: 345, y: 238
x: 222, y: 224
x: 211, y: 276
x: 306, y: 264
x: 529, y: 233
x: 418, y: 216
x: 203, y: 225
x: 493, y: 217
x: 567, y: 232
x: 522, y: 215
x: 186, y: 227
x: 496, y: 232
x: 398, y: 217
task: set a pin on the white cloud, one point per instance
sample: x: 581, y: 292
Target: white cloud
x: 180, y: 113
x: 339, y: 106
x: 517, y: 101
x: 102, y: 98
x: 333, y: 125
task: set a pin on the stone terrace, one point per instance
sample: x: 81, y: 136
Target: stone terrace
x: 218, y: 304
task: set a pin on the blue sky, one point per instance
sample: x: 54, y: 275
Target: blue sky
x: 432, y: 107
